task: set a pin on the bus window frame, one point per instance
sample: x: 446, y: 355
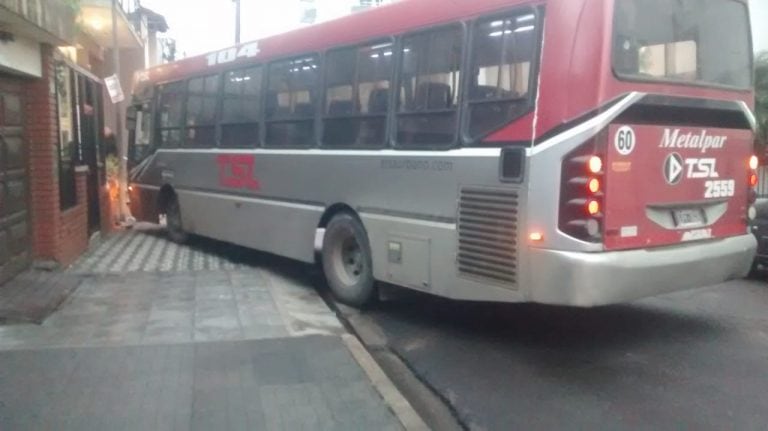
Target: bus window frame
x: 261, y: 121
x: 323, y: 116
x: 395, y: 112
x: 637, y: 79
x: 533, y: 85
x: 319, y: 58
x: 156, y: 129
x: 216, y: 122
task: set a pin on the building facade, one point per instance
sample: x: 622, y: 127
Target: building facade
x: 55, y: 123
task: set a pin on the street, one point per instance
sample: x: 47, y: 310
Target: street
x: 692, y: 360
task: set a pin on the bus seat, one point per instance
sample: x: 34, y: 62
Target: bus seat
x: 341, y: 108
x: 483, y: 92
x: 432, y: 96
x: 304, y: 110
x: 378, y: 101
x: 272, y: 104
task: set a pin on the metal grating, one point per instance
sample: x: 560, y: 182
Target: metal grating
x: 488, y: 235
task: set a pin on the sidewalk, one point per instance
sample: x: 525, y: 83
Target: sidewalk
x: 249, y: 348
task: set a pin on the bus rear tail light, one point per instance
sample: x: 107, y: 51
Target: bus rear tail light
x: 595, y: 165
x: 752, y: 179
x: 753, y: 163
x: 593, y: 207
x: 593, y: 185
x: 582, y: 192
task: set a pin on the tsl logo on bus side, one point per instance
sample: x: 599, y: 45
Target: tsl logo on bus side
x: 236, y: 171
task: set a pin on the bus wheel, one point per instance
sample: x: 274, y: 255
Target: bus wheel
x: 173, y: 222
x: 347, y: 261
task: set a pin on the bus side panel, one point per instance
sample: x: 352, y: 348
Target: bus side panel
x: 273, y: 200
x: 277, y: 227
x: 424, y: 258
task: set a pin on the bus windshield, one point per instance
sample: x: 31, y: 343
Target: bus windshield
x: 693, y: 41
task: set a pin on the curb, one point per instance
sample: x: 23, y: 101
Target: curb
x: 403, y: 410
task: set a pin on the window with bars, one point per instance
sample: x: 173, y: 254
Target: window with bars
x: 290, y: 102
x: 357, y: 96
x: 200, y: 119
x: 241, y: 108
x: 430, y: 79
x: 504, y: 55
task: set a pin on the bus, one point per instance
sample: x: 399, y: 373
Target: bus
x: 566, y: 152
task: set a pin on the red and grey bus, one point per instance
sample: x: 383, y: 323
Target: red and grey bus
x: 571, y: 152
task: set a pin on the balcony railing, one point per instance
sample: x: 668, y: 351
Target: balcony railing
x: 128, y: 6
x: 56, y: 17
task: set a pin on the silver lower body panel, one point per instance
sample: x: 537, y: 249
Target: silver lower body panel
x: 594, y: 279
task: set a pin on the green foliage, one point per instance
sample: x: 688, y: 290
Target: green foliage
x: 74, y: 5
x: 761, y: 95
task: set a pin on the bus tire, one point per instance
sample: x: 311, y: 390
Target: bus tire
x: 347, y: 264
x: 174, y: 226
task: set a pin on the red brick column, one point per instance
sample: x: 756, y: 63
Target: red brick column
x: 73, y: 223
x: 41, y: 132
x: 56, y: 236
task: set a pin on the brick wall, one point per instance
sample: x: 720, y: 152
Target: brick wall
x: 56, y: 235
x: 73, y: 225
x: 41, y: 136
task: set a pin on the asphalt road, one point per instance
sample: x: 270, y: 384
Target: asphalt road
x: 692, y: 360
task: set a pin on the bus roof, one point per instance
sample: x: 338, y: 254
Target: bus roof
x: 380, y: 22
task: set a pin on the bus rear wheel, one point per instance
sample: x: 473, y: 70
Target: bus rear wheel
x: 347, y: 265
x: 174, y: 226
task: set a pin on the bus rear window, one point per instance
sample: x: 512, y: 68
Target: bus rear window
x: 691, y: 41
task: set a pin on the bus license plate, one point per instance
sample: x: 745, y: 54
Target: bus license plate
x: 688, y: 218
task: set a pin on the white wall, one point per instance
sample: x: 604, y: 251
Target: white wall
x: 759, y: 24
x: 21, y: 56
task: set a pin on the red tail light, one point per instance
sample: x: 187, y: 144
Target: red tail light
x: 593, y: 207
x: 595, y: 165
x: 753, y: 179
x: 594, y: 185
x: 753, y: 163
x: 582, y: 191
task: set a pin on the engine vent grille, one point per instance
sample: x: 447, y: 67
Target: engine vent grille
x: 488, y: 235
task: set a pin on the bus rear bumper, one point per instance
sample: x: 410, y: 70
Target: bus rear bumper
x: 593, y: 279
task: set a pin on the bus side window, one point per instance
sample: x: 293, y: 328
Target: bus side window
x: 290, y: 102
x: 504, y: 56
x: 202, y: 99
x: 357, y: 96
x: 169, y: 115
x: 140, y: 147
x: 241, y: 108
x: 430, y: 79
